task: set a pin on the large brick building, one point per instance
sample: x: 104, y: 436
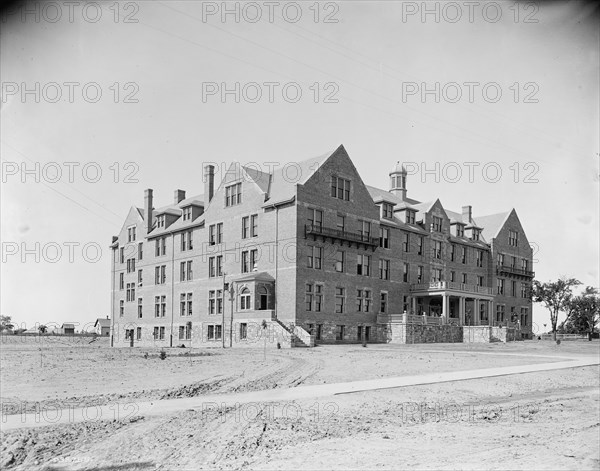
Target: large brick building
x: 309, y: 253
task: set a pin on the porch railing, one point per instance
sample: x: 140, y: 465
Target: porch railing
x: 453, y: 285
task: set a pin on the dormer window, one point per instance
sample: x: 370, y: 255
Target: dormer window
x: 340, y: 188
x: 460, y: 230
x: 410, y: 216
x: 160, y: 220
x: 436, y: 225
x: 387, y: 211
x: 475, y: 234
x: 187, y: 213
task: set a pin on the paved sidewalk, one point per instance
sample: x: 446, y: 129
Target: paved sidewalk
x: 126, y: 410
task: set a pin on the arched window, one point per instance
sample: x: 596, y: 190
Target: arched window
x: 245, y: 299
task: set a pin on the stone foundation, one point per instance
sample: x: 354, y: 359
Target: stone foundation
x: 419, y: 333
x: 488, y: 334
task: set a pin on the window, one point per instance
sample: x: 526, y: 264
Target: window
x: 500, y: 312
x: 387, y: 211
x: 363, y: 265
x: 405, y: 272
x: 480, y: 281
x: 410, y: 216
x: 513, y: 262
x: 500, y: 259
x: 513, y: 238
x: 215, y: 266
x: 437, y: 224
x: 186, y: 241
x: 249, y: 260
x: 130, y: 265
x: 419, y: 245
x: 365, y: 230
x: 319, y: 335
x: 340, y: 331
x: 452, y: 276
x: 215, y: 234
x: 245, y: 227
x: 254, y: 225
x: 513, y: 288
x: 383, y: 302
x: 524, y: 290
x: 363, y: 300
x: 340, y: 188
x: 130, y: 292
x: 436, y: 275
x: 245, y: 300
x: 121, y: 281
x: 405, y: 242
x: 479, y: 258
x: 161, y: 220
x: 340, y: 300
x: 211, y: 301
x: 463, y: 257
x: 160, y: 275
x: 500, y: 286
x: 339, y: 261
x: 315, y: 217
x: 138, y: 333
x: 243, y: 331
x: 219, y: 301
x: 437, y: 249
x: 185, y: 271
x: 187, y: 213
x: 341, y: 222
x: 245, y: 261
x: 160, y: 246
x: 405, y: 304
x: 161, y: 333
x: 314, y: 297
x: 185, y: 331
x: 140, y: 251
x: 420, y: 274
x: 384, y: 269
x: 524, y: 316
x: 384, y: 237
x: 121, y: 308
x: 464, y: 278
x: 185, y: 304
x: 525, y: 264
x: 475, y: 234
x: 233, y: 194
x: 315, y: 257
x: 140, y: 308
x: 214, y: 332
x: 122, y: 254
x: 131, y: 234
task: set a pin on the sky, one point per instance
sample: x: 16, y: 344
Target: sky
x: 496, y: 107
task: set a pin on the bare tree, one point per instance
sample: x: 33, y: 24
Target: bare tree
x: 556, y: 297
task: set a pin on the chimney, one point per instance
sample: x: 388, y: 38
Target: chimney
x: 148, y: 209
x: 179, y: 196
x: 209, y: 183
x: 467, y: 214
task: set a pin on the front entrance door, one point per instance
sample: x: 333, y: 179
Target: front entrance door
x: 263, y: 302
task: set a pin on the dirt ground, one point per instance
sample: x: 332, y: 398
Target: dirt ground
x: 544, y: 420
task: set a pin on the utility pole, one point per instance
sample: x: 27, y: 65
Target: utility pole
x: 223, y: 312
x: 231, y: 296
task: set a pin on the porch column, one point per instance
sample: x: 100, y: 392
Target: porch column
x: 490, y: 306
x: 445, y: 309
x: 461, y: 310
x: 476, y: 319
x: 414, y: 305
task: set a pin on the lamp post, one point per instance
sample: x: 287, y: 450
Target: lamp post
x: 231, y: 298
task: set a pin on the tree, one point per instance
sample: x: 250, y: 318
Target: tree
x: 42, y: 328
x: 556, y: 297
x: 6, y: 323
x: 584, y: 311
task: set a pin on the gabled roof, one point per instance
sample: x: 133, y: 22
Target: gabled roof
x: 283, y: 186
x: 383, y: 195
x: 102, y: 322
x: 176, y: 210
x: 262, y: 179
x: 492, y: 224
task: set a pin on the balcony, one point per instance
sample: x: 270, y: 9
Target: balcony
x: 337, y: 234
x: 451, y: 285
x: 507, y: 270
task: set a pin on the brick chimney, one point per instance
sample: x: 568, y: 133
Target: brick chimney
x: 467, y: 214
x: 209, y: 183
x: 148, y: 209
x: 179, y: 196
